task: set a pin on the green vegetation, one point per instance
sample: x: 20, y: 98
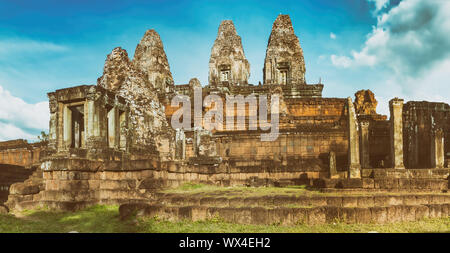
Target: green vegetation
x: 106, y: 219
x: 217, y: 226
x: 295, y: 190
x: 43, y: 137
x: 93, y: 219
x: 209, y: 190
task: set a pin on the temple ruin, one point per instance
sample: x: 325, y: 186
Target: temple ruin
x: 112, y: 143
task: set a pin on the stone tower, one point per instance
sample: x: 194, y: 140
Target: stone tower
x: 228, y: 65
x: 284, y: 63
x: 150, y: 58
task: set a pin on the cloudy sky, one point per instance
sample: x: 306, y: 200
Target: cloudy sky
x: 396, y: 48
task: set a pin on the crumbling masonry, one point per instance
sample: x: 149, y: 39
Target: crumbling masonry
x: 112, y: 142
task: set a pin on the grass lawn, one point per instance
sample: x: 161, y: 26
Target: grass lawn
x: 297, y: 190
x: 99, y: 219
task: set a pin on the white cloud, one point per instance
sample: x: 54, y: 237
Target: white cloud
x: 11, y: 132
x: 408, y: 39
x: 408, y: 51
x: 17, y: 117
x: 379, y: 4
x: 341, y: 61
x: 332, y: 36
x: 13, y: 46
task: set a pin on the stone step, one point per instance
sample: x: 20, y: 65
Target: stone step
x: 101, y: 194
x: 289, y: 216
x: 388, y: 183
x: 406, y: 173
x: 302, y: 201
x: 70, y: 205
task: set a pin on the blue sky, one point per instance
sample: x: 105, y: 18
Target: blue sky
x: 395, y: 48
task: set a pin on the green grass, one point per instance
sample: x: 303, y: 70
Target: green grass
x: 208, y: 190
x: 296, y: 190
x: 441, y: 225
x: 93, y: 219
x: 106, y: 219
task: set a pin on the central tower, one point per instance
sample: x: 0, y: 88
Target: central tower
x: 228, y: 65
x: 284, y: 63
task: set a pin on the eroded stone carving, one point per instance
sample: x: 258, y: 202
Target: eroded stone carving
x: 284, y: 63
x: 151, y: 59
x: 365, y: 102
x: 227, y: 64
x: 148, y: 126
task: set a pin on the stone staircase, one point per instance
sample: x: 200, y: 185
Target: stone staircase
x: 413, y: 180
x: 27, y: 190
x: 288, y: 209
x: 10, y: 174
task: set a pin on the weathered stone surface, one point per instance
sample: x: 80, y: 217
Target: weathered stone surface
x: 3, y: 209
x: 365, y: 103
x: 364, y: 141
x: 116, y: 70
x: 24, y: 189
x: 284, y: 62
x: 353, y: 142
x: 332, y: 164
x: 227, y: 64
x: 151, y: 59
x: 396, y: 132
x: 148, y: 126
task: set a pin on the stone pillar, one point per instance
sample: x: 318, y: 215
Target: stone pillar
x: 365, y: 160
x: 333, y: 170
x: 353, y: 142
x: 96, y: 114
x: 113, y: 127
x: 180, y: 145
x: 90, y: 118
x: 437, y: 148
x: 67, y: 127
x: 123, y: 124
x: 53, y: 124
x: 413, y: 147
x: 396, y: 132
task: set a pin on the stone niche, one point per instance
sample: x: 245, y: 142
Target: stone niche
x: 86, y: 121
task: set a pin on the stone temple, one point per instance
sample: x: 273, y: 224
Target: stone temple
x: 112, y: 143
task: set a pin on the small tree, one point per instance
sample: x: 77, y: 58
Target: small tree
x: 43, y: 137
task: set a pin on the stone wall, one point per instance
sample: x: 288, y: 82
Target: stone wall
x: 20, y: 152
x: 422, y: 121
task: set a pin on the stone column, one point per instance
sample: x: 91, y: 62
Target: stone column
x: 180, y: 144
x: 333, y: 170
x: 365, y: 160
x: 67, y: 127
x: 96, y: 114
x: 89, y: 114
x: 437, y: 148
x: 53, y: 124
x: 113, y: 127
x: 396, y: 132
x: 413, y: 146
x: 353, y: 142
x: 123, y: 124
